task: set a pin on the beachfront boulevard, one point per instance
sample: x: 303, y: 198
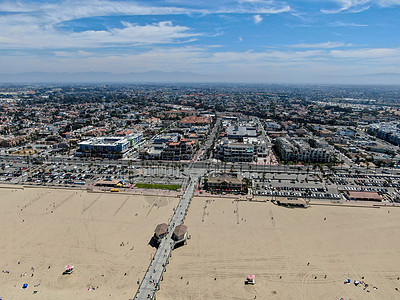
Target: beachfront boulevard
x: 151, y: 281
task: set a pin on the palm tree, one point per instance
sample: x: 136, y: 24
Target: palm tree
x: 265, y: 162
x: 308, y: 170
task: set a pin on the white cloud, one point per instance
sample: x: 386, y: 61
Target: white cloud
x: 357, y: 6
x: 388, y: 2
x: 257, y: 19
x: 345, y: 5
x: 128, y: 35
x: 74, y: 9
x: 40, y: 25
x: 326, y: 45
x: 343, y: 24
x: 257, y: 10
x: 372, y: 54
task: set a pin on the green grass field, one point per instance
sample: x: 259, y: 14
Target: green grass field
x: 171, y: 187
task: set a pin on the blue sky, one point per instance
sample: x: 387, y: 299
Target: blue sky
x: 308, y: 41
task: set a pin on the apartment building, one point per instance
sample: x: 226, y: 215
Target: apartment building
x: 301, y: 150
x: 388, y: 131
x: 180, y: 150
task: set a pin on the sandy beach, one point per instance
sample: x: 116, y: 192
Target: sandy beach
x: 104, y: 235
x: 294, y: 253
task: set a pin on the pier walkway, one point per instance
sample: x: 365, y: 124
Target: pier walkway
x: 154, y: 275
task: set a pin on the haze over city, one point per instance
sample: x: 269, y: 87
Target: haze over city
x: 330, y: 41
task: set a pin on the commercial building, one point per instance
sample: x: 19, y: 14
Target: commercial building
x: 169, y: 147
x: 166, y: 137
x: 107, y: 147
x: 363, y: 196
x: 235, y: 152
x: 240, y: 132
x: 225, y: 183
x: 135, y: 138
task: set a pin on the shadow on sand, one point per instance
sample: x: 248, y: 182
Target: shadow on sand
x: 153, y: 242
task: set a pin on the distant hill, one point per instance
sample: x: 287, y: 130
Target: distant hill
x: 150, y: 76
x: 389, y: 75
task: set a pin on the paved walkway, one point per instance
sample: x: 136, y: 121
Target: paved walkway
x: 151, y: 281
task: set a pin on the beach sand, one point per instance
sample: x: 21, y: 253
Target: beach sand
x: 42, y: 230
x: 288, y: 250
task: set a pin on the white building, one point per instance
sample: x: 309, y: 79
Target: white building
x: 235, y: 152
x: 109, y: 147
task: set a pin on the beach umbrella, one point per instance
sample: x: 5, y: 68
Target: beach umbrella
x: 69, y: 267
x: 251, y: 277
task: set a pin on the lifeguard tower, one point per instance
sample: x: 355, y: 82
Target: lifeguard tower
x: 251, y: 279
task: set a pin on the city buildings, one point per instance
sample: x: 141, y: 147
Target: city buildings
x: 388, y: 131
x: 301, y: 150
x: 180, y: 150
x: 109, y: 147
x: 240, y: 132
x: 235, y: 152
x: 169, y: 146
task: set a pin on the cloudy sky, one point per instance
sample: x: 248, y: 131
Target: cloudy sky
x: 307, y: 41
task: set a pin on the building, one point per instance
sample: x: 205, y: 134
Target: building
x: 388, y: 131
x: 191, y: 121
x: 225, y: 183
x: 135, y: 138
x: 175, y: 148
x: 235, y: 152
x: 165, y: 137
x: 151, y: 152
x: 272, y: 125
x: 109, y: 183
x: 160, y: 232
x: 107, y: 147
x: 240, y: 132
x: 363, y: 196
x: 180, y: 150
x: 180, y: 234
x: 301, y: 150
x: 292, y: 202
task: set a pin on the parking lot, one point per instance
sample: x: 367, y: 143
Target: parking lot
x: 292, y: 185
x: 312, y: 185
x: 84, y: 174
x: 386, y: 185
